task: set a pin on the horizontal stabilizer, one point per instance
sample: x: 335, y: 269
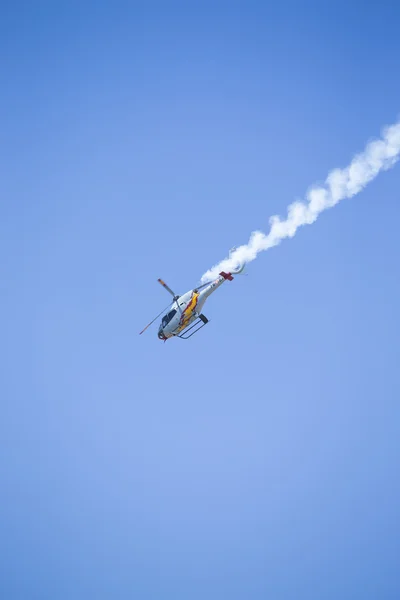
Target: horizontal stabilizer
x: 226, y: 275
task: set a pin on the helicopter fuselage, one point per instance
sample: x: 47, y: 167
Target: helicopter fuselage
x: 187, y: 308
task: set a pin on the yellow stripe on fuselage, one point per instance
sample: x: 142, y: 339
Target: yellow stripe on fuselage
x: 187, y: 314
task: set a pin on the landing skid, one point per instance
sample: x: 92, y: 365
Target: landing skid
x: 201, y: 319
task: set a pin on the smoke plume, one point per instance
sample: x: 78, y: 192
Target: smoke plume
x: 378, y: 155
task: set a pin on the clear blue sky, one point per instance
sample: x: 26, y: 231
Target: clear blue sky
x: 259, y: 460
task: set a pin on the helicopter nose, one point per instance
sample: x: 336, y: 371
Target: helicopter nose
x: 161, y: 335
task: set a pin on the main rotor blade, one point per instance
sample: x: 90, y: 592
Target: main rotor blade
x: 167, y: 288
x: 199, y: 287
x: 155, y: 318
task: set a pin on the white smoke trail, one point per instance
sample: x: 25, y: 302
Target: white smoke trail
x: 344, y: 183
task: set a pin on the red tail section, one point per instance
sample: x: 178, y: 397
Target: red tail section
x: 226, y: 276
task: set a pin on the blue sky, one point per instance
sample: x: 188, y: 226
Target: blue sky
x: 260, y: 459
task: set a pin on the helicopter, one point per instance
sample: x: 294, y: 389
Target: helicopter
x: 184, y: 315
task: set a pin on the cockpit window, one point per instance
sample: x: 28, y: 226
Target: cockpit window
x: 166, y: 318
